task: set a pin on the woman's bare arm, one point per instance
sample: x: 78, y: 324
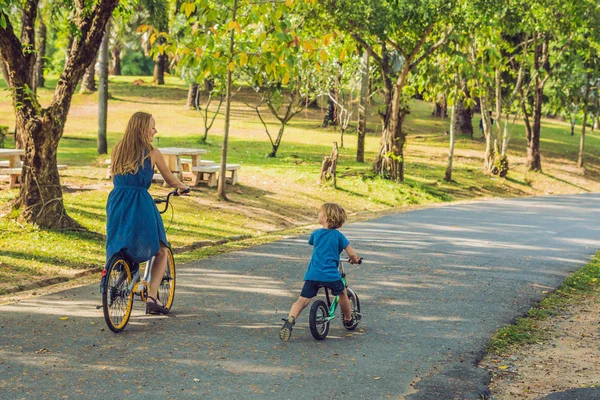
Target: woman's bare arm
x: 159, y: 161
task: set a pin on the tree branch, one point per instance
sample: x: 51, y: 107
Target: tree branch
x: 11, y: 53
x: 433, y: 48
x: 82, y: 52
x: 367, y: 47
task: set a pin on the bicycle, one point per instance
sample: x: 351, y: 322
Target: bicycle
x: 121, y: 282
x: 321, y: 313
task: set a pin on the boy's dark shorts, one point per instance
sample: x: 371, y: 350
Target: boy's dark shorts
x: 311, y: 288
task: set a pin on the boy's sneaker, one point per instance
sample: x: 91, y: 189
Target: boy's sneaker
x: 357, y: 317
x: 286, y: 330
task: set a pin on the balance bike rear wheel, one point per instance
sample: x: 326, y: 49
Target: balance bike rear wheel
x: 319, y: 325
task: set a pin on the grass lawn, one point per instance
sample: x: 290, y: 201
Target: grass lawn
x: 274, y: 195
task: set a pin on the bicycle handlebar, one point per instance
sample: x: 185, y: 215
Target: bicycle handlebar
x: 173, y: 193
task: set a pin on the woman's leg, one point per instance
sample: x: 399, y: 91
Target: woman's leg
x: 158, y: 270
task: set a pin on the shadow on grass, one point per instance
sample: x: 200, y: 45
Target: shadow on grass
x: 565, y: 182
x: 51, y: 260
x: 518, y: 182
x: 378, y: 201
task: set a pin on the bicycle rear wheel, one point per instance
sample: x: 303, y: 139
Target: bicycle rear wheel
x: 166, y: 291
x: 319, y: 326
x: 117, y: 299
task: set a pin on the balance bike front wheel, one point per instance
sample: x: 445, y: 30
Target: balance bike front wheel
x: 354, y: 308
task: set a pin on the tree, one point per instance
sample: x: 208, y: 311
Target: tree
x: 397, y: 36
x: 40, y: 128
x: 550, y: 28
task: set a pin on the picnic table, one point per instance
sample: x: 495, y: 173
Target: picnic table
x: 12, y: 168
x: 173, y: 155
x: 13, y: 155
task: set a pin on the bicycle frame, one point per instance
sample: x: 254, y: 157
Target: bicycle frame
x: 135, y: 279
x: 332, y: 304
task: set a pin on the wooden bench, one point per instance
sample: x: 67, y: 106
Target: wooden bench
x: 6, y: 164
x: 186, y: 164
x: 208, y: 174
x: 205, y: 174
x: 14, y: 174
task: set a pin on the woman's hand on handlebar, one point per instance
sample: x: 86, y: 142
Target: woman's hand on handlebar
x: 182, y: 192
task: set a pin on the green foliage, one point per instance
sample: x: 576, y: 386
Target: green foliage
x: 135, y: 63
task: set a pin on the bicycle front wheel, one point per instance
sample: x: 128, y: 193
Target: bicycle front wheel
x: 117, y: 299
x: 166, y: 291
x: 354, y: 309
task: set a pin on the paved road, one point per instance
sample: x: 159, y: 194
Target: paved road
x: 435, y: 285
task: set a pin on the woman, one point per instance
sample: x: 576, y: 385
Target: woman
x: 134, y: 225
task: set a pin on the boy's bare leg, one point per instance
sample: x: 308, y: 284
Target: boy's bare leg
x: 286, y: 330
x: 345, y: 304
x: 300, y: 305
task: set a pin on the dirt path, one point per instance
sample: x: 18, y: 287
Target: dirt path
x: 569, y: 360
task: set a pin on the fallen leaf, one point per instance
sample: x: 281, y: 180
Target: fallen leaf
x: 64, y: 318
x: 503, y: 367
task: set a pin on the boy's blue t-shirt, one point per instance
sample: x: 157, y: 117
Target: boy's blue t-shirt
x: 323, y: 266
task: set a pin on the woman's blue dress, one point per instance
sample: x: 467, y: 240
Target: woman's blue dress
x: 134, y: 224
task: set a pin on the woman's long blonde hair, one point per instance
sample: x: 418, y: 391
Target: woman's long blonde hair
x: 133, y: 149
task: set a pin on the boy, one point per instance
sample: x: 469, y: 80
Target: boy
x: 323, y: 270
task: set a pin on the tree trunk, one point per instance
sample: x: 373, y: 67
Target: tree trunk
x: 488, y: 158
x: 116, y: 60
x: 275, y: 145
x: 498, y: 139
x: 41, y: 199
x: 586, y: 103
x: 102, y: 144
x: 191, y: 98
x: 331, y: 116
x: 463, y: 124
x: 88, y: 84
x: 440, y: 108
x: 573, y: 119
x: 159, y: 69
x: 41, y: 55
x: 448, y: 175
x: 362, y: 108
x: 221, y: 184
x: 534, y: 161
x: 390, y: 160
x: 4, y: 70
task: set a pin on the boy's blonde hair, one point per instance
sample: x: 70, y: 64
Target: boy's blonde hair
x: 334, y: 214
x: 133, y: 149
